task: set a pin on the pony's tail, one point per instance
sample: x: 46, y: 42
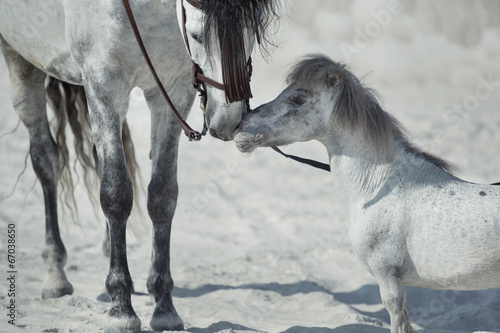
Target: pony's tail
x: 69, y: 104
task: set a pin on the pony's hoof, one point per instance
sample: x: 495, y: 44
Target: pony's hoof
x: 67, y: 289
x: 166, y: 321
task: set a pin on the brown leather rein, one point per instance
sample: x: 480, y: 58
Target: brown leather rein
x: 198, y: 78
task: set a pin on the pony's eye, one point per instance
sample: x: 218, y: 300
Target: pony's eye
x: 298, y: 100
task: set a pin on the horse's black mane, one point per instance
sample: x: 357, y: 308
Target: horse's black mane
x: 229, y: 19
x: 233, y: 16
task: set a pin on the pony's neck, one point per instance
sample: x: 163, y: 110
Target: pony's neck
x: 358, y: 173
x: 363, y: 175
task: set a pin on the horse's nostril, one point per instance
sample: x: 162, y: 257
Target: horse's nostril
x: 216, y: 135
x: 213, y: 133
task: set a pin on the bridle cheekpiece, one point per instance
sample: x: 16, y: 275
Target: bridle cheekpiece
x: 199, y: 79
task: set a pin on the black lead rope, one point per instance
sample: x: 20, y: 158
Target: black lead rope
x: 313, y: 163
x: 316, y: 164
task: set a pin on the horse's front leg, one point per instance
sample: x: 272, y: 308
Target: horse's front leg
x: 162, y: 200
x: 107, y: 108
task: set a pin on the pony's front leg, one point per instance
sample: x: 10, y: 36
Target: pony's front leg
x: 393, y: 294
x: 107, y: 108
x: 162, y: 201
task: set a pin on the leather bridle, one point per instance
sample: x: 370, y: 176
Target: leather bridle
x: 198, y: 77
x: 199, y: 80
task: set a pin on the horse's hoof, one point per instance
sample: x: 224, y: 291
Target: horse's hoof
x: 67, y: 289
x: 120, y: 330
x: 129, y: 324
x: 166, y: 322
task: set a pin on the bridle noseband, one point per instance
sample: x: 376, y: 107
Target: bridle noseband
x: 199, y: 80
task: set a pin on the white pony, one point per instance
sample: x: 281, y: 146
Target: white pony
x: 90, y: 44
x: 411, y: 222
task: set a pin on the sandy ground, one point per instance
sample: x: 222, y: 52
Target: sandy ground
x: 259, y: 243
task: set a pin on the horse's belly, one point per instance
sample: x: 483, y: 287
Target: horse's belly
x: 36, y: 30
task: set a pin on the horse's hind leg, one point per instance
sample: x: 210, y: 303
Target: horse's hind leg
x: 162, y: 200
x: 28, y: 97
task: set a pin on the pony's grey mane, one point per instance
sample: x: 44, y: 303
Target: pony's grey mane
x: 356, y: 107
x: 229, y: 20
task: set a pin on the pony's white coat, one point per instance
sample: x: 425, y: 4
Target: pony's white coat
x: 411, y: 223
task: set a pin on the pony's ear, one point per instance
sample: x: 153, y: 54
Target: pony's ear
x: 333, y: 79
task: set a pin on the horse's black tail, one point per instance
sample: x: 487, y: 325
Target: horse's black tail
x: 69, y: 104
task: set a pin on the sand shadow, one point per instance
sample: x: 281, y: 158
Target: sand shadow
x: 220, y: 326
x: 358, y: 328
x: 464, y: 311
x: 216, y: 327
x: 301, y: 287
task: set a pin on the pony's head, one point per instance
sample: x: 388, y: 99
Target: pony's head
x: 220, y: 36
x: 322, y: 97
x: 324, y: 101
x: 301, y: 112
